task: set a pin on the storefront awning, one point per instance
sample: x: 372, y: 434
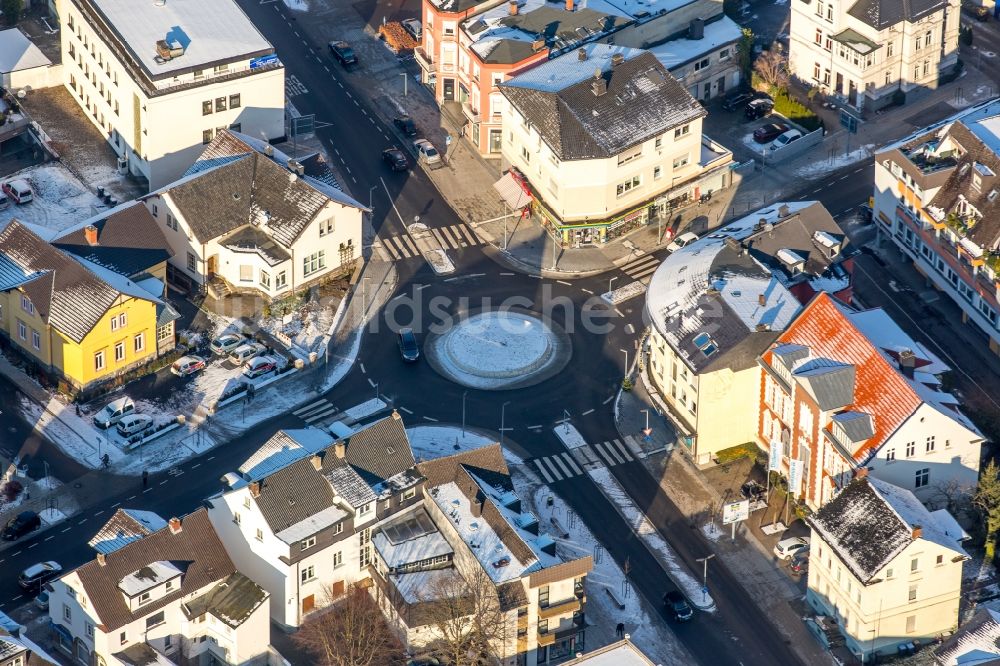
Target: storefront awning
x: 511, y: 191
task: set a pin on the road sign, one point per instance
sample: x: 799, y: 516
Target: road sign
x: 302, y: 125
x: 849, y: 121
x: 733, y: 512
x: 264, y: 61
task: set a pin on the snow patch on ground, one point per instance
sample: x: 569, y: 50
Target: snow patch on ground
x: 433, y: 441
x: 365, y: 409
x: 51, y: 516
x: 569, y: 435
x: 297, y: 5
x: 825, y: 165
x: 711, y: 531
x: 647, y: 532
x: 439, y: 261
x: 60, y: 200
x: 622, y: 294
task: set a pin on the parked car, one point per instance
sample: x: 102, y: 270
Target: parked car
x: 247, y: 351
x: 18, y: 190
x: 413, y: 27
x: 426, y: 151
x: 187, y: 365
x: 759, y: 108
x: 979, y: 12
x: 37, y: 575
x: 133, y: 424
x: 226, y: 343
x: 113, y: 412
x: 682, y: 240
x: 677, y: 606
x: 396, y: 159
x: 405, y: 125
x: 21, y: 524
x: 786, y: 548
x: 4, y: 201
x: 783, y: 140
x: 769, y: 132
x: 736, y: 100
x: 408, y: 347
x: 800, y: 562
x: 344, y: 54
x: 261, y: 365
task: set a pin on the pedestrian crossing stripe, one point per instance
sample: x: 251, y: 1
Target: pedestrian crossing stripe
x: 453, y: 237
x: 642, y: 267
x: 315, y: 411
x: 562, y: 466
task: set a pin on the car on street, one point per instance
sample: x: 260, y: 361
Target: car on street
x: 736, y: 100
x: 133, y: 424
x: 113, y: 412
x: 226, y: 343
x: 408, y: 347
x: 677, y: 606
x: 37, y: 575
x: 800, y: 562
x: 18, y: 190
x: 783, y: 140
x: 682, y: 240
x: 405, y: 125
x: 247, y: 351
x: 427, y: 152
x: 413, y: 27
x: 21, y: 524
x: 395, y: 158
x: 187, y: 365
x: 787, y: 548
x: 770, y: 132
x: 261, y: 365
x: 343, y: 53
x: 759, y: 108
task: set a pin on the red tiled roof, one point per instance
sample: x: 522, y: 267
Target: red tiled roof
x: 880, y: 389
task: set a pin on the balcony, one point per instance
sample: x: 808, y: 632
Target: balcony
x: 425, y: 61
x: 926, y: 158
x: 561, y: 608
x: 471, y: 113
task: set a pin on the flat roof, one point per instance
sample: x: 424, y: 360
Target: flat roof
x: 680, y: 51
x: 209, y: 31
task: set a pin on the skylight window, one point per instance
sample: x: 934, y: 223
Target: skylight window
x: 710, y: 349
x: 701, y: 340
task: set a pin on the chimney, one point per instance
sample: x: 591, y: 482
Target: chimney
x: 395, y: 415
x: 617, y: 59
x: 598, y: 86
x: 175, y: 525
x: 255, y: 489
x: 538, y: 45
x: 918, y: 532
x: 476, y: 505
x: 761, y: 300
x: 339, y: 449
x: 907, y: 362
x: 784, y: 211
x: 581, y: 54
x: 269, y: 150
x: 317, y: 462
x: 861, y: 473
x: 512, y: 7
x: 569, y: 5
x: 101, y: 559
x: 90, y: 234
x: 696, y: 29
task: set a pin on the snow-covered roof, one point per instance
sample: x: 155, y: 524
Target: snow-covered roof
x: 312, y: 524
x: 409, y: 539
x: 872, y: 521
x: 119, y: 282
x: 420, y: 585
x: 886, y: 335
x: 622, y: 653
x: 677, y: 52
x: 986, y: 126
x: 637, y: 9
x: 567, y: 70
x: 148, y: 577
x: 17, y: 52
x: 124, y: 527
x: 209, y: 31
x: 284, y: 448
x: 976, y: 642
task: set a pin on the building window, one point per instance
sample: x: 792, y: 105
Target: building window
x: 911, y: 448
x: 338, y: 528
x: 206, y: 136
x: 123, y: 638
x: 314, y: 262
x: 543, y: 596
x: 912, y: 595
x: 724, y: 54
x: 206, y: 107
x: 922, y: 477
x: 325, y: 227
x: 154, y: 620
x: 99, y: 360
x: 220, y: 104
x: 816, y: 70
x: 67, y: 613
x: 144, y: 598
x: 27, y: 305
x: 543, y: 626
x: 140, y: 342
x: 307, y: 574
x: 702, y: 64
x: 306, y: 544
x: 939, y: 560
x: 338, y: 559
x: 22, y: 330
x: 930, y: 443
x: 682, y: 161
x: 265, y: 279
x: 169, y: 585
x: 888, y: 573
x: 236, y: 517
x: 890, y: 454
x: 280, y: 280
x: 819, y: 36
x: 259, y: 535
x: 89, y: 630
x: 927, y: 38
x: 365, y: 509
x: 409, y: 493
x: 525, y: 154
x: 192, y: 261
x: 888, y: 50
x: 914, y: 564
x: 657, y: 173
x: 119, y: 351
x: 629, y: 185
x: 682, y: 131
x: 658, y: 143
x: 220, y: 69
x: 234, y: 101
x: 246, y: 273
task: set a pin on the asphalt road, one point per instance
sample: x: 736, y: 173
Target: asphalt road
x: 736, y: 633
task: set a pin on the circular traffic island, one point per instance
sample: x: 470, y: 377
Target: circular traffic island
x: 499, y: 350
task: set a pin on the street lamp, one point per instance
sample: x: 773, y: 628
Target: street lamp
x: 405, y: 77
x: 370, y: 197
x: 625, y: 351
x: 464, y: 396
x: 647, y: 431
x: 503, y: 415
x: 610, y: 280
x: 704, y: 576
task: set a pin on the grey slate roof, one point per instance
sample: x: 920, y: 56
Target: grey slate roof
x: 232, y: 601
x: 881, y: 14
x: 129, y: 241
x: 65, y: 294
x: 976, y: 643
x: 871, y: 522
x: 643, y: 100
x: 10, y: 648
x: 829, y: 383
x: 791, y: 354
x: 857, y: 425
x: 350, y: 486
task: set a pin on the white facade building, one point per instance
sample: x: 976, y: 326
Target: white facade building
x: 161, y: 79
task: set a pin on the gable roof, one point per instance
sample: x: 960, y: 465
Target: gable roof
x: 67, y: 295
x: 879, y: 388
x: 124, y: 527
x: 871, y: 522
x: 235, y: 184
x: 129, y: 241
x: 882, y: 14
x: 196, y: 547
x: 976, y: 642
x: 642, y: 100
x: 232, y: 601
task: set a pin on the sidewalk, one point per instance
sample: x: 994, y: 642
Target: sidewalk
x: 775, y: 593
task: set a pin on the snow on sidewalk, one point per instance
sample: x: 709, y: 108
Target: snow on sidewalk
x: 821, y: 167
x: 569, y: 436
x: 365, y: 409
x: 647, y: 532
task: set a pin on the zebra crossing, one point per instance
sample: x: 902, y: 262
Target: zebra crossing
x: 642, y: 267
x: 453, y: 237
x: 395, y: 248
x: 294, y: 87
x: 562, y: 466
x: 315, y: 411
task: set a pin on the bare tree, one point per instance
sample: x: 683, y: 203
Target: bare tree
x: 351, y: 631
x: 772, y: 68
x: 954, y: 495
x: 467, y: 615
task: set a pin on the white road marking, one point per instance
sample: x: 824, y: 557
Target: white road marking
x: 430, y: 418
x: 130, y: 498
x: 65, y: 530
x: 568, y: 284
x: 610, y: 398
x: 572, y: 463
x: 538, y: 464
x: 363, y: 368
x: 116, y: 505
x: 587, y: 291
x: 372, y: 382
x: 404, y: 409
x: 589, y: 411
x: 506, y: 274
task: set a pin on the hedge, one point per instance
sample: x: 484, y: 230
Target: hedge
x: 796, y: 111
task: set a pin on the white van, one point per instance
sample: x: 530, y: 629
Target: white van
x: 245, y: 352
x: 18, y: 190
x: 682, y: 240
x: 113, y: 412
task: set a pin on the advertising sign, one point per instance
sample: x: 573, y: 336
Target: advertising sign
x: 734, y: 512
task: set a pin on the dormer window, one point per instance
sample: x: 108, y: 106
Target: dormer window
x: 306, y: 544
x: 365, y: 509
x: 169, y: 586
x: 144, y: 598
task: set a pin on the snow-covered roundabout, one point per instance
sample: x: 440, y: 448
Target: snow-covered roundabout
x: 499, y: 350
